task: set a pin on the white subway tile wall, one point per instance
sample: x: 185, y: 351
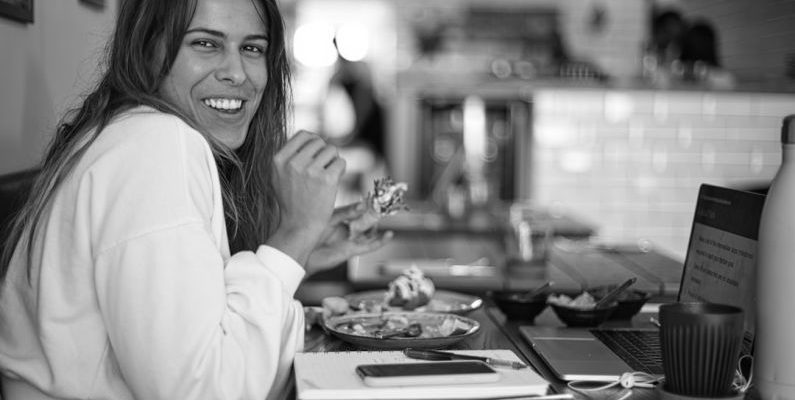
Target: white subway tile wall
x: 631, y: 162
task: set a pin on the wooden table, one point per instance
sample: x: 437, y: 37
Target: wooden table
x: 510, y: 328
x: 496, y: 332
x: 452, y: 257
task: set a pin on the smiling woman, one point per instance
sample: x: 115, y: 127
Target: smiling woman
x: 172, y: 220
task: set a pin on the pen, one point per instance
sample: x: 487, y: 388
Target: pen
x: 436, y: 355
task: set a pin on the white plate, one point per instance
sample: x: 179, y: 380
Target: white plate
x: 439, y: 329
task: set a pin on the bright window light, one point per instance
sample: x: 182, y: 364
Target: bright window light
x: 576, y: 161
x: 475, y: 132
x: 555, y: 133
x: 618, y: 107
x: 352, y: 42
x: 313, y: 45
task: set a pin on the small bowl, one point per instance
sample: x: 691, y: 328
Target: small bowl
x: 514, y: 305
x: 578, y: 317
x: 629, y: 302
x: 627, y: 308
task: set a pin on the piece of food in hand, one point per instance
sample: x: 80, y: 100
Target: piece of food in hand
x: 334, y: 305
x: 386, y: 198
x: 410, y: 290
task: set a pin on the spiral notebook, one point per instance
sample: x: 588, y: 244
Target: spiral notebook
x: 332, y: 376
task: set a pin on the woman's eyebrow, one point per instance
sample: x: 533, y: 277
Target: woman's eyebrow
x: 208, y: 31
x: 220, y: 34
x: 257, y: 37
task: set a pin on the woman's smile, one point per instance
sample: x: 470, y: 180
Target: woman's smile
x: 224, y: 105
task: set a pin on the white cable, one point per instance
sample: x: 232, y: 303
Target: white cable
x: 631, y: 380
x: 626, y: 395
x: 627, y: 380
x: 741, y: 384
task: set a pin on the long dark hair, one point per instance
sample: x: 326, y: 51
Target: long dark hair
x: 133, y: 75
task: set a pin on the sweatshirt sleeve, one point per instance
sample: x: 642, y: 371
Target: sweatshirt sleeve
x: 184, y: 327
x: 184, y: 320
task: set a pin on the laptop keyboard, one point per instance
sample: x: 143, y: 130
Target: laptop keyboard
x: 639, y: 349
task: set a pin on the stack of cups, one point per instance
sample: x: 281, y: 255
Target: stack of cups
x: 701, y: 345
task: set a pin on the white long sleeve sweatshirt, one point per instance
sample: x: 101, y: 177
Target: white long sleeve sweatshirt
x: 133, y: 292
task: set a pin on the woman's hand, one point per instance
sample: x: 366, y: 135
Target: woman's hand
x: 336, y: 245
x: 307, y: 175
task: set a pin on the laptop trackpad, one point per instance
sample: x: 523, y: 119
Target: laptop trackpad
x: 580, y: 358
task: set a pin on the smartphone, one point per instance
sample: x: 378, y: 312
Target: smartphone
x: 427, y: 373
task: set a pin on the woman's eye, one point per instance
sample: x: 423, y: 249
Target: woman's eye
x: 254, y: 50
x: 208, y: 44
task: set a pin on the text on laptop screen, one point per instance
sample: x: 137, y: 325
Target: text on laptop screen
x: 721, y: 257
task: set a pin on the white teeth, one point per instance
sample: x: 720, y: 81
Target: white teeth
x: 224, y: 104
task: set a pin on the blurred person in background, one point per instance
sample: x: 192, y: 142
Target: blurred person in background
x: 162, y: 244
x: 700, y: 56
x: 668, y: 31
x: 354, y: 119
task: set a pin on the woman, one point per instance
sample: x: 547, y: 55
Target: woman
x: 163, y: 243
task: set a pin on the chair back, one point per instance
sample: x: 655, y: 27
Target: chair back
x: 14, y: 190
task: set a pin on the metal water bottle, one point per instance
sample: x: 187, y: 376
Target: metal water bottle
x: 774, y: 352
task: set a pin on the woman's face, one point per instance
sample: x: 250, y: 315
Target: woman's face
x: 220, y: 73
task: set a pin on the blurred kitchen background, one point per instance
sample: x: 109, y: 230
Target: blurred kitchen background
x: 610, y: 112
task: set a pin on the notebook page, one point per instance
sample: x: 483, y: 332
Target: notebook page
x: 332, y: 376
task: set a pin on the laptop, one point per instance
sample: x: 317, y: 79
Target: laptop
x: 719, y: 268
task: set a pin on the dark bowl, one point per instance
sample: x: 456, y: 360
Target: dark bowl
x: 631, y: 306
x: 578, y: 317
x: 514, y: 305
x: 629, y: 302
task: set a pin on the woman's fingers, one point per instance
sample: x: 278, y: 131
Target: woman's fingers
x: 293, y: 145
x: 307, y: 150
x: 324, y: 156
x: 368, y: 243
x: 337, y: 168
x: 308, y: 171
x: 348, y: 212
x: 337, y: 228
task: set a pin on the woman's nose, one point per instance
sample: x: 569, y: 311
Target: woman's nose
x: 231, y: 69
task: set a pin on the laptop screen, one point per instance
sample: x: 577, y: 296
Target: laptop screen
x: 721, y: 256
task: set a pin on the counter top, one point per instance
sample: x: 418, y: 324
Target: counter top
x: 452, y: 82
x: 479, y: 263
x: 423, y: 218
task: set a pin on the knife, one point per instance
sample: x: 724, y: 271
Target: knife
x: 436, y: 355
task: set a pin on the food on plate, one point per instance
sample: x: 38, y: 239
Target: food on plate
x: 585, y: 301
x: 329, y: 307
x: 312, y: 316
x: 334, y: 305
x: 394, y: 326
x: 410, y: 290
x: 386, y: 198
